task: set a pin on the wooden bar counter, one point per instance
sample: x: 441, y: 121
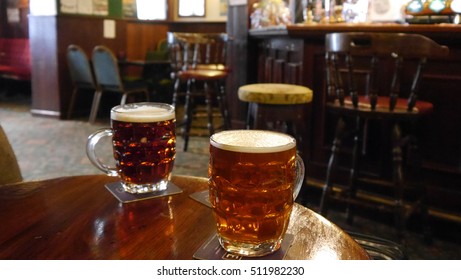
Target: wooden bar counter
x: 440, y: 140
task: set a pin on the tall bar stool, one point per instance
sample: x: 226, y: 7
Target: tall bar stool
x: 198, y: 60
x: 279, y: 101
x: 372, y: 86
x: 276, y: 106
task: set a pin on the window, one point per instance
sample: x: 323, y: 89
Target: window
x: 151, y: 9
x: 191, y: 8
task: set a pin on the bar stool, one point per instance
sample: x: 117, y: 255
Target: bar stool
x: 372, y: 86
x: 198, y: 60
x: 277, y: 106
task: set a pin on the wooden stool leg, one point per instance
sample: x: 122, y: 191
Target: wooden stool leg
x: 259, y: 116
x: 222, y: 102
x: 209, y: 108
x: 176, y: 84
x: 354, y: 172
x: 332, y: 164
x: 398, y: 180
x: 300, y: 131
x: 298, y: 127
x: 416, y: 162
x: 249, y: 120
x: 187, y: 115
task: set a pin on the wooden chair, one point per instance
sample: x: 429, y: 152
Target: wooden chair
x: 80, y: 73
x: 279, y: 101
x: 199, y: 61
x: 372, y: 83
x: 108, y: 79
x: 9, y: 167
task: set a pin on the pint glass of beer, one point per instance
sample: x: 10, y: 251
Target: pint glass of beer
x: 144, y: 145
x: 254, y: 177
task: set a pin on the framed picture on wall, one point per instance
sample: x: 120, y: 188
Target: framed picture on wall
x: 191, y: 8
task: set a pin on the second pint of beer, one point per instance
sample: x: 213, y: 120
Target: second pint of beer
x: 144, y: 145
x: 252, y: 176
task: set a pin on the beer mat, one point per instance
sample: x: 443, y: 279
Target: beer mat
x: 212, y: 250
x: 202, y: 197
x: 116, y: 189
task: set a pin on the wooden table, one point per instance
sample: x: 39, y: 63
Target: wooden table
x: 78, y: 218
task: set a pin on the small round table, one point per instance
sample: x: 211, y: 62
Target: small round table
x: 78, y: 218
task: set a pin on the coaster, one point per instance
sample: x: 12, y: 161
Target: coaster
x: 125, y: 197
x: 212, y: 250
x: 202, y: 197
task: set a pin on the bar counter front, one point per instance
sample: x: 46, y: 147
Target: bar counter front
x: 440, y: 135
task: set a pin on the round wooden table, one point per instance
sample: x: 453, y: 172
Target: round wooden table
x: 78, y: 218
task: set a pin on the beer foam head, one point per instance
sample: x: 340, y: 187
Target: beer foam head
x: 143, y: 112
x: 252, y: 141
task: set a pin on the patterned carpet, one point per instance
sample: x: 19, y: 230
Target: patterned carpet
x: 48, y: 148
x: 42, y: 145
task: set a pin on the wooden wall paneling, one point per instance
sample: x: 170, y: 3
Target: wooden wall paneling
x: 319, y: 149
x: 141, y: 37
x: 23, y: 26
x: 199, y: 27
x: 171, y: 11
x: 86, y: 32
x: 441, y: 143
x: 14, y: 29
x: 3, y: 23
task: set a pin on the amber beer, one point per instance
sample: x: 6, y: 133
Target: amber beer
x: 144, y: 145
x: 252, y: 179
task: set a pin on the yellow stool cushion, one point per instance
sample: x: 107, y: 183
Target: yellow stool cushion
x: 281, y: 94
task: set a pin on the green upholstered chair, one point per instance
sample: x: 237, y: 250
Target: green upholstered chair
x: 108, y: 79
x: 80, y: 73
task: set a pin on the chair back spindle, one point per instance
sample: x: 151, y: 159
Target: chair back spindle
x: 192, y: 50
x: 365, y: 59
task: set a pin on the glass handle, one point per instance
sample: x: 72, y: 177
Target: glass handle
x: 93, y: 139
x: 299, y: 179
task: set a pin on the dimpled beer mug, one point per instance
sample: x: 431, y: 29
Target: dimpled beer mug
x: 254, y: 177
x: 144, y: 146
